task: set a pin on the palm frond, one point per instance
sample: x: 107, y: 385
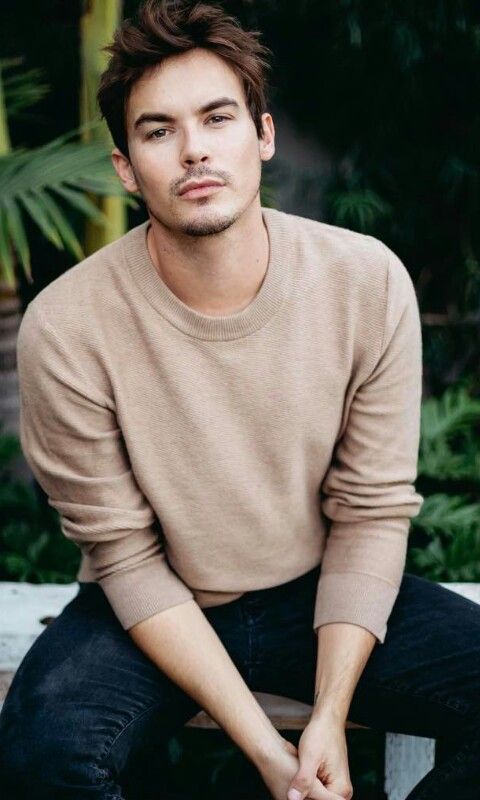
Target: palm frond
x: 29, y: 181
x: 6, y: 257
x: 358, y: 208
x: 23, y: 89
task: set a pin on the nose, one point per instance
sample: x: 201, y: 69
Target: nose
x: 194, y: 149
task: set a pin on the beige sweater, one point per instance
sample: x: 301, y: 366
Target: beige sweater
x: 202, y: 456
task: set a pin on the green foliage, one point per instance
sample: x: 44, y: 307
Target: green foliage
x: 32, y: 545
x: 23, y: 89
x: 358, y: 208
x: 450, y: 447
x: 29, y: 177
x: 39, y: 182
x: 448, y: 525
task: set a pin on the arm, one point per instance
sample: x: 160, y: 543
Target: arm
x: 368, y: 493
x: 342, y: 653
x: 183, y: 644
x: 71, y: 438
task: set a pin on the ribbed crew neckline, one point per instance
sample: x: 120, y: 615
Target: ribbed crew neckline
x: 274, y: 289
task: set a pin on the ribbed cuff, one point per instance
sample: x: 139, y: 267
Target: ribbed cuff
x: 138, y: 593
x: 355, y: 597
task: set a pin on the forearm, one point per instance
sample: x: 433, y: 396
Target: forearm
x: 183, y: 644
x: 342, y: 652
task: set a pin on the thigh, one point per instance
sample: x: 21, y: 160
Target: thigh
x: 85, y: 694
x: 427, y: 670
x: 423, y: 680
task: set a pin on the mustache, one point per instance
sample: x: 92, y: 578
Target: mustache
x: 200, y: 175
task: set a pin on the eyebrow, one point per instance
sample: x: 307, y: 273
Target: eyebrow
x: 160, y: 117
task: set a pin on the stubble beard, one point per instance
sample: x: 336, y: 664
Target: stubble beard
x: 208, y: 224
x: 205, y: 225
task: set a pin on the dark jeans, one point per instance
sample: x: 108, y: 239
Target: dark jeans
x: 86, y: 703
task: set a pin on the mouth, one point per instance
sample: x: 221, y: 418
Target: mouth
x: 201, y: 191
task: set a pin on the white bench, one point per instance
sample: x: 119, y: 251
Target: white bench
x: 25, y: 609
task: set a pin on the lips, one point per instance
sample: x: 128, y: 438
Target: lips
x: 199, y: 185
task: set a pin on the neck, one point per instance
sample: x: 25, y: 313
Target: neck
x: 215, y: 275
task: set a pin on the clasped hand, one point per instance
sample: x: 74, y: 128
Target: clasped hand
x: 317, y: 769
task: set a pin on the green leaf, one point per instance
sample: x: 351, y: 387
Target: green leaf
x: 454, y: 411
x: 28, y: 178
x: 35, y: 549
x: 63, y: 226
x: 15, y: 564
x: 447, y: 513
x: 33, y: 205
x: 24, y: 90
x: 359, y: 208
x: 6, y: 260
x: 82, y: 203
x: 17, y: 232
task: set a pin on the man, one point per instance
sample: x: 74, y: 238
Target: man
x: 199, y: 400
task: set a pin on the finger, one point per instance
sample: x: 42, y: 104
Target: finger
x: 303, y: 778
x: 315, y: 790
x: 319, y: 792
x: 290, y: 747
x: 342, y: 787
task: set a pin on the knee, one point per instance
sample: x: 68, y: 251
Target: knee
x: 36, y: 759
x: 10, y: 763
x: 15, y: 759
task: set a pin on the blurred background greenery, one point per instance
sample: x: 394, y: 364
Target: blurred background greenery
x: 376, y: 107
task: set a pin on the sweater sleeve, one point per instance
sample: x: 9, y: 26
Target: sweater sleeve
x: 72, y: 441
x: 368, y: 493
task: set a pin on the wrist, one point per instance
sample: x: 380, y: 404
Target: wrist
x: 269, y: 750
x: 326, y: 708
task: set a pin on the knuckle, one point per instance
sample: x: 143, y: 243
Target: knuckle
x: 303, y: 781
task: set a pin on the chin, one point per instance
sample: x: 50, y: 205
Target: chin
x: 203, y: 221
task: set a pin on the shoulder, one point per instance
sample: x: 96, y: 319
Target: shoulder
x: 81, y: 297
x: 356, y: 267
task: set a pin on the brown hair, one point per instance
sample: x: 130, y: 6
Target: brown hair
x: 165, y: 27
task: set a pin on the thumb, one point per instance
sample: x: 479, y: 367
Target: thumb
x: 302, y: 781
x: 304, y: 787
x: 295, y: 794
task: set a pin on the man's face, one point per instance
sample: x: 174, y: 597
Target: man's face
x: 187, y: 142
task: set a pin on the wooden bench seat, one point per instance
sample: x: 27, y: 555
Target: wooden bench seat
x: 283, y: 712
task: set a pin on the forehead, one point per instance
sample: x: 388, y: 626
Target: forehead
x: 182, y: 83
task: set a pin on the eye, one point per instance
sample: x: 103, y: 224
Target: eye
x: 218, y: 116
x: 152, y: 134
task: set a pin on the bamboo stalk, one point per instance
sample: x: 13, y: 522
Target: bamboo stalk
x: 5, y: 145
x: 97, y: 24
x: 8, y: 281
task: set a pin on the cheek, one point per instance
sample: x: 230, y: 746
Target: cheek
x: 154, y: 171
x: 245, y: 158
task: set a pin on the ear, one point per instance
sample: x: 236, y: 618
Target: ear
x: 124, y: 170
x: 267, y: 142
